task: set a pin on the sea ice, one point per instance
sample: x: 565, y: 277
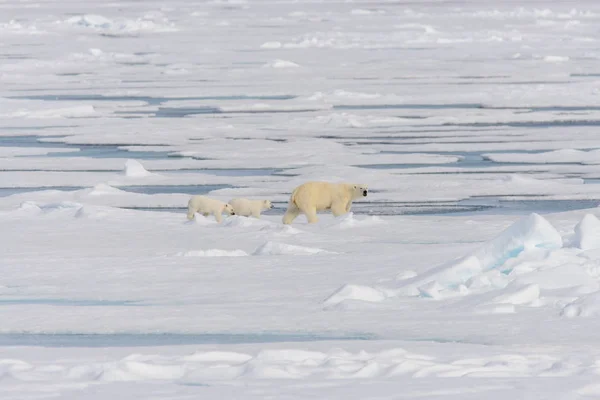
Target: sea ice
x: 587, y: 233
x: 135, y: 169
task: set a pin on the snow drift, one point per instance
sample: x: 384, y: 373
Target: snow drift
x: 532, y: 232
x: 529, y: 264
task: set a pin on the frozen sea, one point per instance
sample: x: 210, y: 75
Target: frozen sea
x: 471, y: 271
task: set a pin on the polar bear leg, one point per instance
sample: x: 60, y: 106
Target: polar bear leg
x: 311, y: 215
x: 218, y: 217
x: 348, y: 206
x: 191, y: 213
x: 338, y: 210
x: 291, y: 213
x: 256, y: 214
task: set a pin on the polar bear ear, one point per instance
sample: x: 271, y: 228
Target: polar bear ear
x: 354, y: 186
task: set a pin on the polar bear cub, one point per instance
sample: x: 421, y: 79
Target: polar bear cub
x: 206, y: 206
x: 250, y: 208
x: 311, y: 197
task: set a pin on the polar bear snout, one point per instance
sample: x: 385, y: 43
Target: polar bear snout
x: 365, y: 193
x: 229, y: 209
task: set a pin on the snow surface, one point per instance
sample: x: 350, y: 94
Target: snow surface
x: 487, y: 111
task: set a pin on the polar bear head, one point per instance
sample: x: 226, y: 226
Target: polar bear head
x: 228, y: 209
x: 266, y: 205
x: 359, y: 190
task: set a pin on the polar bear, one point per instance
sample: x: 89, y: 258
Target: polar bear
x: 311, y: 197
x: 206, y: 206
x: 247, y: 207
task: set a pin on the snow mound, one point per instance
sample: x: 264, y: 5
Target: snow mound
x: 281, y: 64
x: 290, y: 355
x: 348, y: 221
x: 276, y: 249
x: 263, y: 225
x: 91, y: 20
x: 532, y: 232
x: 522, y: 180
x: 134, y: 169
x: 286, y: 363
x: 61, y: 206
x: 216, y: 356
x: 122, y: 26
x: 556, y: 59
x: 587, y: 233
x: 557, y: 270
x: 103, y: 189
x: 245, y: 222
x: 404, y: 275
x: 14, y: 27
x: 309, y: 41
x: 271, y: 45
x: 127, y: 370
x: 585, y: 306
x: 202, y: 220
x: 213, y: 253
x: 592, y: 390
x: 362, y: 11
x: 281, y: 230
x: 29, y: 206
x: 341, y: 120
x: 355, y: 292
x: 510, y: 271
x: 349, y: 95
x: 348, y: 120
x: 518, y: 295
x: 94, y: 212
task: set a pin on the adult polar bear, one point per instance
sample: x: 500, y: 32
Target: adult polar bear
x: 311, y: 197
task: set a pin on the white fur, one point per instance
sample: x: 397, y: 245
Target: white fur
x: 250, y: 208
x: 311, y: 197
x: 206, y: 206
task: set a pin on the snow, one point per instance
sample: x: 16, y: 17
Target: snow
x: 134, y: 169
x: 213, y: 253
x: 275, y: 248
x: 215, y: 366
x: 529, y: 234
x: 557, y: 156
x: 348, y: 221
x: 476, y: 254
x: 528, y: 264
x: 122, y: 26
x: 281, y: 64
x: 355, y: 292
x: 556, y: 59
x: 585, y: 306
x: 587, y: 233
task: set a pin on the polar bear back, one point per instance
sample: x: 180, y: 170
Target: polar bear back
x: 206, y: 204
x: 249, y: 207
x: 322, y: 195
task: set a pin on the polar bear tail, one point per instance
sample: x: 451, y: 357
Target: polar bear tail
x: 292, y: 202
x: 191, y: 211
x: 190, y: 215
x: 292, y: 210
